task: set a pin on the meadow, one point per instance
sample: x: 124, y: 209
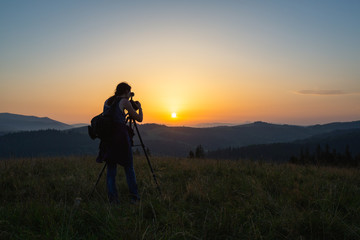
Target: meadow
x: 201, y: 199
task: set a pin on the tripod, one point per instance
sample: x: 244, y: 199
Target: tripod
x: 132, y: 123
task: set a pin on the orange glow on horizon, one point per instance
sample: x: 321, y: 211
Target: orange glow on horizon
x: 208, y: 63
x: 197, y: 94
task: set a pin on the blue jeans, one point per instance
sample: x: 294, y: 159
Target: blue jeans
x: 130, y: 179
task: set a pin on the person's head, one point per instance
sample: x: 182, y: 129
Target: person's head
x: 122, y: 89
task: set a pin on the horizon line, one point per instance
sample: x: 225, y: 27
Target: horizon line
x: 196, y: 125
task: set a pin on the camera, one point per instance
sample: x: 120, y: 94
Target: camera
x: 134, y: 104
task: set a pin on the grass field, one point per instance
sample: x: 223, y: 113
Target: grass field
x: 202, y: 199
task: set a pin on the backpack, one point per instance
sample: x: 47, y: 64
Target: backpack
x: 102, y: 125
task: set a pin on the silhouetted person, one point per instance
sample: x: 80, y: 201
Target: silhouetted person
x: 117, y: 150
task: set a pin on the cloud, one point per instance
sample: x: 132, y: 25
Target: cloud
x: 323, y: 92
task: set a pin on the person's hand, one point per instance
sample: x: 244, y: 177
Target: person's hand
x: 138, y: 104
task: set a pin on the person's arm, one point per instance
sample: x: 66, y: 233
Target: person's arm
x: 132, y: 113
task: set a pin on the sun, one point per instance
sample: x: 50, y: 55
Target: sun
x: 173, y: 115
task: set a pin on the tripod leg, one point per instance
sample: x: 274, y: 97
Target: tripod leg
x: 97, y: 181
x: 147, y: 157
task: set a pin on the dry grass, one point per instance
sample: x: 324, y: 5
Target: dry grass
x: 202, y: 199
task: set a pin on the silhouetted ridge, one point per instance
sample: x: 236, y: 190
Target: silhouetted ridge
x: 14, y: 122
x: 339, y: 141
x: 178, y: 141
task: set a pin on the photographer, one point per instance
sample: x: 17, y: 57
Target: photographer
x: 117, y: 149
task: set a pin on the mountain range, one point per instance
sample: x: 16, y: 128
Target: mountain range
x: 338, y: 141
x: 169, y: 141
x: 14, y: 122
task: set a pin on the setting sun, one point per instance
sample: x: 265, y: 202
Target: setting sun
x: 173, y: 115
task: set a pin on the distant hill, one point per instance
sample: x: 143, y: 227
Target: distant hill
x: 14, y: 122
x: 337, y: 141
x: 186, y: 138
x: 46, y: 143
x: 174, y: 141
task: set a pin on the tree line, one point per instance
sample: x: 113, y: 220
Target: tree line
x: 46, y: 143
x: 309, y: 154
x: 327, y: 157
x: 198, y: 153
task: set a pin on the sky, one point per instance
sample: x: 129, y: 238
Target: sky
x: 231, y: 62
